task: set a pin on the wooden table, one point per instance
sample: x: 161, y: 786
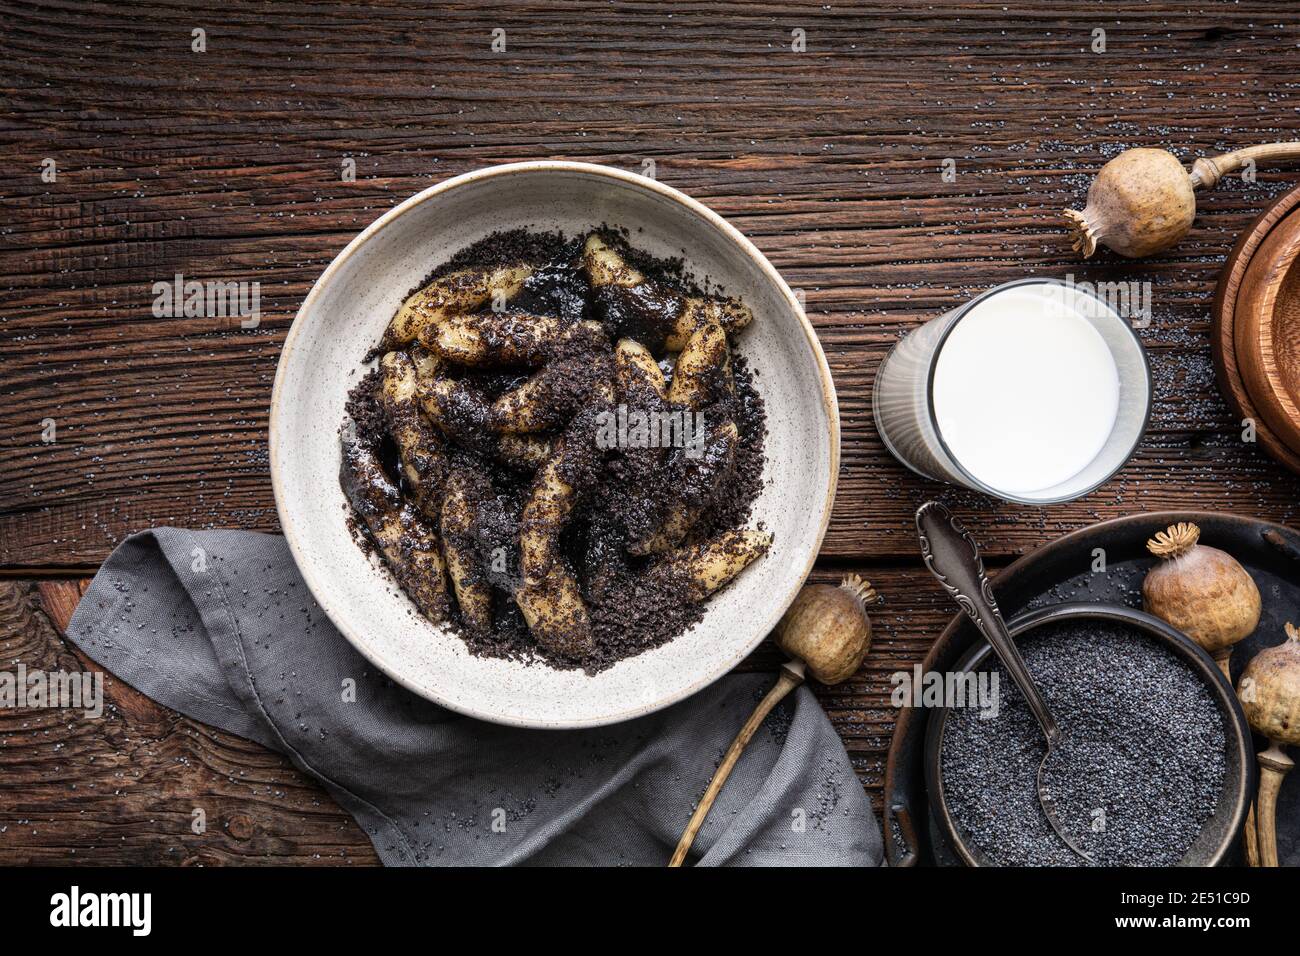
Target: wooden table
x: 227, y: 164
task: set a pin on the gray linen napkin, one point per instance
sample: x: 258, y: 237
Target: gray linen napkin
x: 219, y: 626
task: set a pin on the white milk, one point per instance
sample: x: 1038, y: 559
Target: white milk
x: 1026, y: 391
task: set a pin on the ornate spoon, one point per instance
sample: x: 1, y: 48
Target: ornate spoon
x: 951, y: 554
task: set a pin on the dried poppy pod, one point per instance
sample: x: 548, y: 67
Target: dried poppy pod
x: 1202, y: 591
x: 827, y: 628
x: 1270, y: 696
x: 825, y: 631
x: 1143, y: 201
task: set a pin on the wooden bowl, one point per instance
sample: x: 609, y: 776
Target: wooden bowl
x: 1223, y: 312
x: 1266, y: 332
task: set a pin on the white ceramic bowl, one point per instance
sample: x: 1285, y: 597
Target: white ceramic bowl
x: 344, y: 316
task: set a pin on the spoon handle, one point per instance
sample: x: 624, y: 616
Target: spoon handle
x: 951, y: 554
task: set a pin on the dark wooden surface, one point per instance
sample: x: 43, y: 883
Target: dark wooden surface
x: 227, y: 165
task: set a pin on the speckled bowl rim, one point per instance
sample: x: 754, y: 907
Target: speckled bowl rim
x: 830, y: 407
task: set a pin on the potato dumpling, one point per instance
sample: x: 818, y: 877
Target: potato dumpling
x: 542, y: 441
x: 454, y: 294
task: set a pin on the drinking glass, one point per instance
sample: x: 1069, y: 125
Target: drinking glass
x: 904, y: 405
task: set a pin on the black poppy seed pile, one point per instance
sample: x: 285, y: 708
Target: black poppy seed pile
x: 631, y: 610
x: 1138, y: 771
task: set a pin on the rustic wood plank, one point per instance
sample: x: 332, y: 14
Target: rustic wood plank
x: 226, y: 164
x: 122, y: 788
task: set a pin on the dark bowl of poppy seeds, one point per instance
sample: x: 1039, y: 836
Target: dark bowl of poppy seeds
x: 1154, y: 764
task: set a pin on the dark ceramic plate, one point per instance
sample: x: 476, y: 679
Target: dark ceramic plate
x: 1062, y: 572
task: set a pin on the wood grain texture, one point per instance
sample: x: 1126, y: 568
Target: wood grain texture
x: 1266, y: 332
x: 1223, y: 321
x: 227, y: 165
x: 122, y: 788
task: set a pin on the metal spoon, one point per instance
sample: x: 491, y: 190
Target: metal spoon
x: 951, y: 554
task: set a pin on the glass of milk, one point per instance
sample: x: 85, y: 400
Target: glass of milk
x: 1034, y: 392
